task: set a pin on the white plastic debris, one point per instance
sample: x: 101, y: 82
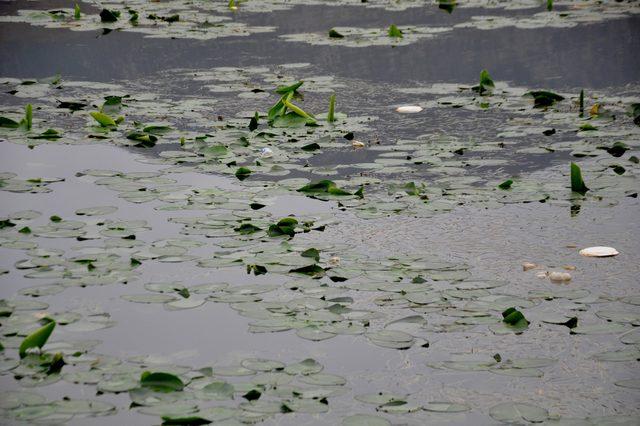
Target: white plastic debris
x: 334, y: 261
x: 266, y: 152
x: 409, y: 109
x: 599, y: 251
x: 559, y: 276
x: 357, y: 144
x: 528, y: 265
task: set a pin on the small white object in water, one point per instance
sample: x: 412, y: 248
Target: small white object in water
x: 357, y: 144
x: 528, y: 265
x: 599, y: 252
x: 409, y: 109
x: 559, y: 276
x: 266, y: 152
x: 542, y: 274
x: 334, y: 261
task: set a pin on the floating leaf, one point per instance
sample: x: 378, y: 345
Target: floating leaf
x: 285, y: 226
x: 312, y: 253
x: 543, y: 98
x: 323, y: 187
x: 8, y: 123
x: 242, y: 173
x: 107, y: 15
x: 365, y: 420
x: 445, y: 407
x: 514, y: 412
x: 506, y: 184
x: 145, y: 139
x: 161, y: 382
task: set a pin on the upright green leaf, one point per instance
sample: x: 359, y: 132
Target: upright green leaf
x: 76, y: 12
x: 253, y: 123
x: 296, y: 109
x: 335, y: 34
x: 577, y: 184
x: 549, y: 5
x: 37, y: 339
x: 27, y: 121
x: 332, y: 108
x: 103, y: 119
x: 486, y: 82
x: 395, y: 32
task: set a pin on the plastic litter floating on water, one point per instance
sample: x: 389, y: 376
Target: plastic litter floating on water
x: 559, y: 276
x: 599, y: 252
x: 266, y: 152
x: 409, y: 109
x: 528, y: 265
x: 357, y: 144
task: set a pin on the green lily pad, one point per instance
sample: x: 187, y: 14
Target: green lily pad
x: 515, y: 412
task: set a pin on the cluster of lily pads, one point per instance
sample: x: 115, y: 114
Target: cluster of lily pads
x: 274, y: 142
x: 210, y: 20
x: 438, y: 171
x: 254, y: 389
x: 584, y: 13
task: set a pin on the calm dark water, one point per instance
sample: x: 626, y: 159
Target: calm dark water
x: 595, y: 56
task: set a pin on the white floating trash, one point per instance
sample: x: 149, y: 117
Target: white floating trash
x: 599, y: 252
x: 559, y: 276
x: 266, y: 152
x: 357, y: 144
x: 409, y: 109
